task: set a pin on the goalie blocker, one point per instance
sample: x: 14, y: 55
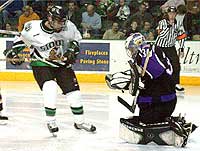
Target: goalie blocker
x: 175, y: 131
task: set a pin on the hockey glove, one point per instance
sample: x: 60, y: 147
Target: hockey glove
x: 13, y: 57
x: 71, y: 54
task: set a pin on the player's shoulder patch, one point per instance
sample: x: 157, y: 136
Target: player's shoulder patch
x: 28, y: 26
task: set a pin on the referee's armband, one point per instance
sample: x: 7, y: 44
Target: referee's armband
x: 181, y: 35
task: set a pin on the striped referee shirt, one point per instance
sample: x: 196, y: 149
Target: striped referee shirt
x: 169, y: 34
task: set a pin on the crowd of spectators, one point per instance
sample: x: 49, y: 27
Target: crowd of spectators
x: 106, y: 19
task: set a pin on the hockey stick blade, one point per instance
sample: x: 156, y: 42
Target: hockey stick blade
x: 123, y: 102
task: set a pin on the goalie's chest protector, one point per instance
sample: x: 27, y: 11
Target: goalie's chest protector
x: 35, y: 35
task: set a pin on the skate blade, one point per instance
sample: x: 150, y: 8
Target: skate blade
x: 88, y: 131
x: 3, y: 122
x: 180, y: 92
x: 54, y: 134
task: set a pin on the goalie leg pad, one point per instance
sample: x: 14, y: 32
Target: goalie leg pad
x: 160, y: 133
x: 131, y: 133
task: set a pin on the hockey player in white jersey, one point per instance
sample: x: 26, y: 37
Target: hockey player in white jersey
x: 54, y: 45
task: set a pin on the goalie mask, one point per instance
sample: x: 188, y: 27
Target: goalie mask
x: 57, y: 18
x: 134, y: 44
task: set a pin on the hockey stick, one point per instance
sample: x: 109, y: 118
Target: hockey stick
x: 123, y: 102
x: 135, y: 78
x: 146, y: 63
x: 134, y: 88
x: 3, y: 6
x: 132, y: 107
x: 9, y: 32
x: 17, y: 59
x: 30, y: 60
x: 24, y: 59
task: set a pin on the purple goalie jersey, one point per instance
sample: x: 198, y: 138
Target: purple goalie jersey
x: 158, y: 63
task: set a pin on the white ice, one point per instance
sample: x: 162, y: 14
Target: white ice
x: 27, y: 131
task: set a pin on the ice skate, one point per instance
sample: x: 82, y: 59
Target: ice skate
x: 53, y: 128
x: 3, y: 120
x: 179, y: 88
x: 86, y: 126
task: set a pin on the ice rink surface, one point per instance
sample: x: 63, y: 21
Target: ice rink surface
x: 27, y: 130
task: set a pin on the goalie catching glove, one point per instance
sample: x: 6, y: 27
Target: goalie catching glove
x: 71, y: 54
x: 13, y: 57
x: 119, y: 80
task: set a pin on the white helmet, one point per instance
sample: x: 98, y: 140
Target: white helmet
x: 134, y: 43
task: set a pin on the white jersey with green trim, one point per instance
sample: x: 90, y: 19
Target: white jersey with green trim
x: 42, y: 41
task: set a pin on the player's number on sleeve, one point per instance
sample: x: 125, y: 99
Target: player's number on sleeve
x: 146, y: 51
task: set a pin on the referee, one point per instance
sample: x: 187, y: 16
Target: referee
x: 169, y: 31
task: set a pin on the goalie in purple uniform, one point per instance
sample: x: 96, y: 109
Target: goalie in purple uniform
x: 150, y: 82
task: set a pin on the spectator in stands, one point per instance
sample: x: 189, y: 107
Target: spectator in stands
x: 112, y: 10
x: 28, y: 15
x: 169, y: 3
x: 91, y: 22
x: 133, y: 28
x: 114, y: 32
x: 8, y: 27
x: 123, y: 11
x: 102, y: 6
x: 155, y: 3
x: 141, y: 15
x: 157, y: 15
x: 13, y: 10
x: 105, y: 9
x: 85, y: 3
x: 193, y: 7
x: 48, y: 4
x: 185, y: 19
x: 39, y: 7
x: 147, y: 31
x: 74, y: 14
x: 134, y: 5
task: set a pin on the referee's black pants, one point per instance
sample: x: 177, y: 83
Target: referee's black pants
x: 171, y: 53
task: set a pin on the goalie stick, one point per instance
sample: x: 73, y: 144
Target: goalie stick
x: 133, y: 88
x: 134, y: 78
x: 146, y: 62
